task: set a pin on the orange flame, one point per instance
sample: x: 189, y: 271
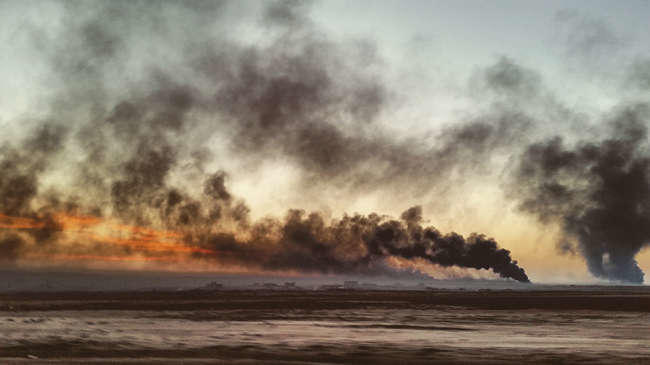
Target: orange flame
x: 144, y: 239
x: 9, y: 222
x: 110, y: 258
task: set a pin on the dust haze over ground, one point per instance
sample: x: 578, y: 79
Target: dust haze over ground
x: 145, y: 98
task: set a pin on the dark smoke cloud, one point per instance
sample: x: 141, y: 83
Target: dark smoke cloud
x: 317, y: 103
x: 506, y: 77
x: 21, y: 165
x: 356, y: 245
x: 298, y: 95
x: 598, y: 190
x: 286, y: 12
x: 302, y: 96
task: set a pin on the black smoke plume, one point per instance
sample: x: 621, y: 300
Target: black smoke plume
x: 356, y: 244
x: 599, y: 190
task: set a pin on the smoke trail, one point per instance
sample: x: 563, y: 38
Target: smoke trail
x: 599, y: 190
x: 355, y: 245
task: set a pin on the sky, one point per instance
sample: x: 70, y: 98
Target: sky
x: 328, y: 137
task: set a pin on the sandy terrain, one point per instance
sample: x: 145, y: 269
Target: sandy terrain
x: 533, y: 326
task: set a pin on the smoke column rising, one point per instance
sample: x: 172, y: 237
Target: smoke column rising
x: 599, y: 190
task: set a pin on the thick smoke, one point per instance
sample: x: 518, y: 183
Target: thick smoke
x: 355, y: 245
x: 298, y: 95
x: 145, y: 92
x: 599, y: 190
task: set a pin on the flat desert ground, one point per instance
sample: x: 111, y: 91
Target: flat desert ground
x: 561, y: 326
